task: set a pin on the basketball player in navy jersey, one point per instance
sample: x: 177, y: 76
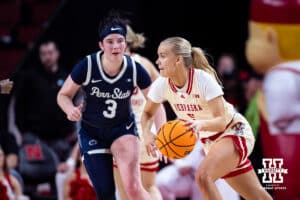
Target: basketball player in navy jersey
x: 148, y: 164
x: 108, y: 129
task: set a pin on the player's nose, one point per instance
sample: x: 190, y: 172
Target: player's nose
x: 157, y: 61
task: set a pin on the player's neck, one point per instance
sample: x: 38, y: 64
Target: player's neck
x: 180, y: 78
x: 111, y: 67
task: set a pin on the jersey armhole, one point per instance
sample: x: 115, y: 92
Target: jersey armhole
x: 134, y: 73
x: 89, y: 71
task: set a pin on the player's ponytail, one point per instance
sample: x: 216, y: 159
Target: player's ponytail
x: 134, y: 40
x: 192, y: 56
x: 200, y: 61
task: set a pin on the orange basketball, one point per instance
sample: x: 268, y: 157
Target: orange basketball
x: 174, y: 140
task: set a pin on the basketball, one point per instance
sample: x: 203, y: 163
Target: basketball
x: 174, y: 140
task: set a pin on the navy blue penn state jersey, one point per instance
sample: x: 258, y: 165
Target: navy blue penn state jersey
x: 107, y: 99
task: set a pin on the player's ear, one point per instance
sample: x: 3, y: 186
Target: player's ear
x: 100, y: 45
x: 179, y: 60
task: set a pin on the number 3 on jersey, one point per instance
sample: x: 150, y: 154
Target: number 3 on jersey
x: 111, y: 109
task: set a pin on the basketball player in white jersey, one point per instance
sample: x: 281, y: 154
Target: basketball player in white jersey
x: 148, y: 164
x: 190, y: 85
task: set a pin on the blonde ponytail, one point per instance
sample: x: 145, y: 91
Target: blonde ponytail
x: 200, y: 62
x: 192, y: 56
x: 134, y: 40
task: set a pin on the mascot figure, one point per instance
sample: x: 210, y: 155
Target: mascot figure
x: 273, y: 49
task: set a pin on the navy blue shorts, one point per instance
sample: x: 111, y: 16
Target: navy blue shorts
x: 91, y: 138
x: 95, y: 149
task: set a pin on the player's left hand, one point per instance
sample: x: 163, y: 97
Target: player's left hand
x: 149, y: 140
x: 195, y: 125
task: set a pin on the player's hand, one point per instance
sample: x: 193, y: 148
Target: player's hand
x: 75, y: 113
x: 6, y: 86
x: 152, y: 150
x: 149, y: 140
x: 195, y: 125
x: 163, y: 158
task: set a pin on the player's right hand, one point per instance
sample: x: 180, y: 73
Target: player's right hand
x: 149, y: 140
x: 152, y: 150
x: 75, y: 113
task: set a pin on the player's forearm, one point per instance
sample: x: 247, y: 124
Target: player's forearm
x: 216, y: 124
x: 160, y: 117
x: 146, y: 122
x: 64, y: 102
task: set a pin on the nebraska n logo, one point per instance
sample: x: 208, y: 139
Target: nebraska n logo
x: 272, y: 170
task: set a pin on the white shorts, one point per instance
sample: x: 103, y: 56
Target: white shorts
x: 241, y: 133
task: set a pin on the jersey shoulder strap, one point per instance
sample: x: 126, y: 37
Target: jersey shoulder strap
x: 134, y: 73
x: 89, y: 70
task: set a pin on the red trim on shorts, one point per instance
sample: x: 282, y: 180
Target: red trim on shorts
x: 240, y: 145
x: 244, y: 164
x: 150, y: 167
x: 214, y: 137
x: 238, y: 172
x: 149, y: 163
x: 246, y: 148
x: 155, y: 169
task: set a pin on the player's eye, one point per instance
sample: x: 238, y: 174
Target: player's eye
x: 120, y: 40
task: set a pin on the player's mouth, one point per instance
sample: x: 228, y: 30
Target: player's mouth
x: 116, y: 53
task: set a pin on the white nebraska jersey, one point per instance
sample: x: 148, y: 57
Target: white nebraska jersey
x: 138, y: 100
x: 190, y: 102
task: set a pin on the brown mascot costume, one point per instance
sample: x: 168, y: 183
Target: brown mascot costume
x: 273, y: 49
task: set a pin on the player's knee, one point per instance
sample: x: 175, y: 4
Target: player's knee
x: 202, y: 178
x: 132, y: 189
